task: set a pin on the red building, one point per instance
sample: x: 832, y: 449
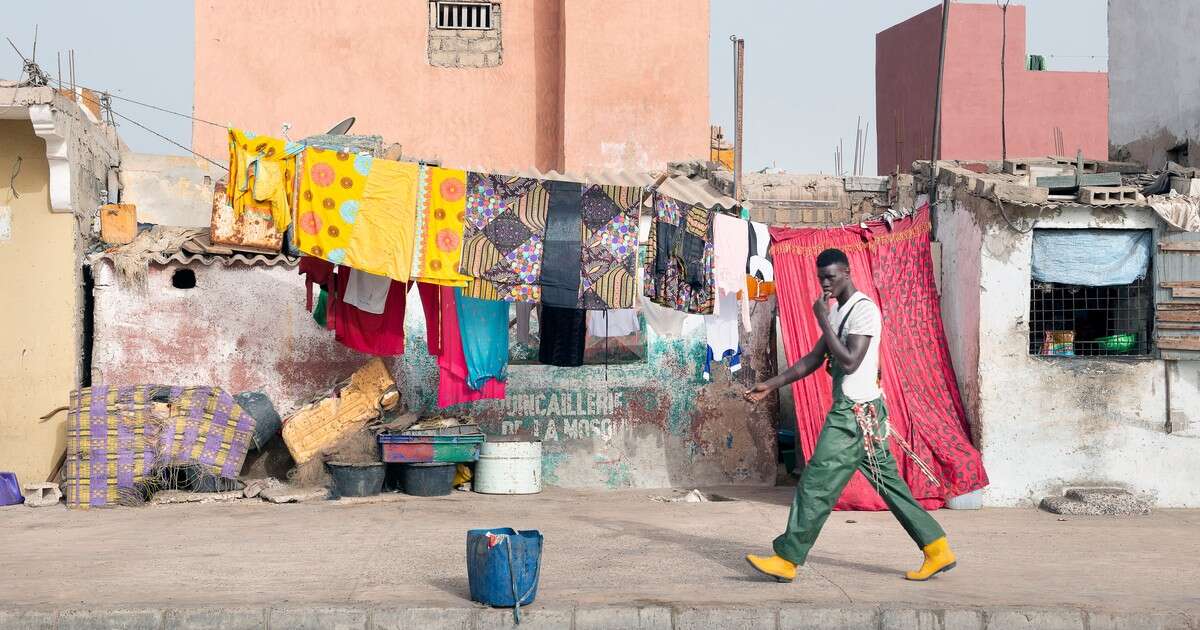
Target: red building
x: 1036, y: 103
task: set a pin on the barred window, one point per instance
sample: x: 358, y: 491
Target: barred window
x: 1100, y: 318
x: 464, y: 15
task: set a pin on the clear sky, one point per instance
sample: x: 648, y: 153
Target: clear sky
x: 810, y: 64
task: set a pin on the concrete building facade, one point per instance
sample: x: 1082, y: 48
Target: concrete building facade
x: 977, y: 122
x: 550, y: 84
x: 1046, y: 423
x: 63, y: 165
x: 1154, y: 78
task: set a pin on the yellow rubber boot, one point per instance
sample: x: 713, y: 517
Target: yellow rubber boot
x: 774, y: 566
x: 938, y: 558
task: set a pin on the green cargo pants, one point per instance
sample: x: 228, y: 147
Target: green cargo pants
x: 838, y: 454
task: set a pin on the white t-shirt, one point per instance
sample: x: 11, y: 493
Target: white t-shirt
x: 863, y: 385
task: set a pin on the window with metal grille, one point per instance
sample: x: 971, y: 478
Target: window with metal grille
x: 464, y: 16
x: 1085, y: 321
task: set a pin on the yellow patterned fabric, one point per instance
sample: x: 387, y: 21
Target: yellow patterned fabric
x: 441, y: 206
x: 358, y: 211
x: 261, y: 171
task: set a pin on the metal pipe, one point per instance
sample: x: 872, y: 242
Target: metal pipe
x: 739, y: 61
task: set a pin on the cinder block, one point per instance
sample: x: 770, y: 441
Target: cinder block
x: 118, y: 223
x: 910, y: 619
x: 318, y: 618
x: 1137, y: 621
x: 443, y: 59
x: 1016, y: 193
x: 217, y: 619
x: 1036, y: 620
x: 531, y: 619
x: 100, y: 619
x: 725, y: 618
x: 1108, y: 195
x: 26, y: 620
x: 962, y: 620
x: 41, y: 494
x: 422, y: 619
x: 470, y: 59
x: 828, y: 618
x: 1189, y: 186
x: 492, y: 59
x: 651, y: 618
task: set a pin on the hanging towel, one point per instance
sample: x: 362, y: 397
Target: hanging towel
x: 441, y: 207
x: 667, y: 322
x: 562, y: 250
x: 367, y: 292
x: 452, y: 363
x: 358, y: 211
x: 483, y: 325
x: 380, y: 335
x: 731, y: 255
x: 563, y: 332
x: 610, y: 247
x: 503, y: 234
x: 614, y: 323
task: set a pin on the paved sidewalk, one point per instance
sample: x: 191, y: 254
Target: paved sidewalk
x: 612, y: 560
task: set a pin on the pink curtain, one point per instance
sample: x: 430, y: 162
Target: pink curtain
x: 892, y: 266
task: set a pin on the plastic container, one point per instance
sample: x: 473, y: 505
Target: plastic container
x: 503, y: 566
x: 266, y: 420
x: 416, y: 449
x: 10, y: 489
x: 357, y: 480
x: 509, y: 467
x: 1121, y: 343
x: 969, y: 501
x: 428, y: 479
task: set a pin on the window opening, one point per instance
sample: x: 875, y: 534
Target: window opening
x: 1080, y: 321
x: 464, y: 16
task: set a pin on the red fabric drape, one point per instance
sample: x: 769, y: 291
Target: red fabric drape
x: 893, y: 267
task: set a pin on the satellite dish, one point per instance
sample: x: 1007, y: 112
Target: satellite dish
x: 342, y: 127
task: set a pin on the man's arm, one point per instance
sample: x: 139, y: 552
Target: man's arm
x: 849, y: 355
x: 807, y: 364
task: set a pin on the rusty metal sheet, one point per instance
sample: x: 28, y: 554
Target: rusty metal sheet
x: 252, y: 230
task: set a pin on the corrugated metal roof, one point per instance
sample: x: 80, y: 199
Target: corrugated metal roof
x: 207, y: 260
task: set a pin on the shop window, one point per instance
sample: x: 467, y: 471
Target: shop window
x: 1091, y: 294
x: 615, y: 339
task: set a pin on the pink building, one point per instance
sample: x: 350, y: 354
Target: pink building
x: 552, y: 84
x: 1037, y: 102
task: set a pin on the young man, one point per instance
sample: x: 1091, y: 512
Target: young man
x: 850, y: 342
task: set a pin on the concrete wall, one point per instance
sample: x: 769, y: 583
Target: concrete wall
x: 169, y: 189
x: 38, y: 356
x: 584, y: 84
x: 650, y: 424
x: 960, y: 291
x: 1154, y: 77
x: 1047, y: 422
x: 1037, y: 102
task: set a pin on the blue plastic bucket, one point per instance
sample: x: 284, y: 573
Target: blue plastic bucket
x: 504, y: 574
x: 10, y: 490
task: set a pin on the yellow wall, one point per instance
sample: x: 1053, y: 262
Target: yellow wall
x: 38, y: 316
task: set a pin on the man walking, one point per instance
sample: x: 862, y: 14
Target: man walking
x: 855, y: 435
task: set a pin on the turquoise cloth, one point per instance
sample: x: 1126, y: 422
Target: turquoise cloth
x: 483, y: 325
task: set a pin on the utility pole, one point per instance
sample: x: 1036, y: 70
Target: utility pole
x: 739, y: 66
x: 936, y: 149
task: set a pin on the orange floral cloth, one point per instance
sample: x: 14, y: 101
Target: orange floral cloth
x: 441, y: 204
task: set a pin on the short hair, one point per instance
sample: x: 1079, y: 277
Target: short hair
x: 832, y: 257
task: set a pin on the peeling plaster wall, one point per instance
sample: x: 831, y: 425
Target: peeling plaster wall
x: 653, y: 424
x: 169, y: 189
x: 1047, y: 422
x: 960, y: 295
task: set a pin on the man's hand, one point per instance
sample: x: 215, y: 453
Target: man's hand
x: 758, y: 393
x: 821, y: 308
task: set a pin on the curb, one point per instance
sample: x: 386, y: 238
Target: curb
x: 595, y: 618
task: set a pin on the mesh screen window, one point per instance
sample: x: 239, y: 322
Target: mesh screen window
x: 1085, y: 321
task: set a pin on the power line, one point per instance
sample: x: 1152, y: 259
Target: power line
x: 161, y: 109
x: 149, y: 130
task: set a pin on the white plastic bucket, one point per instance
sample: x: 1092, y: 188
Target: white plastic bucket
x: 509, y: 467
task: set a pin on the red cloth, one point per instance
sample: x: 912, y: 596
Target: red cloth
x: 431, y: 303
x: 381, y: 335
x: 894, y: 268
x: 315, y: 271
x: 452, y: 363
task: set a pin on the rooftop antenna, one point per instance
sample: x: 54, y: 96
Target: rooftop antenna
x: 341, y: 128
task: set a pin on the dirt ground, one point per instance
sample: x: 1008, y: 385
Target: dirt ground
x: 602, y: 547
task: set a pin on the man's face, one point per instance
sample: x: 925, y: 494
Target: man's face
x: 833, y: 278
